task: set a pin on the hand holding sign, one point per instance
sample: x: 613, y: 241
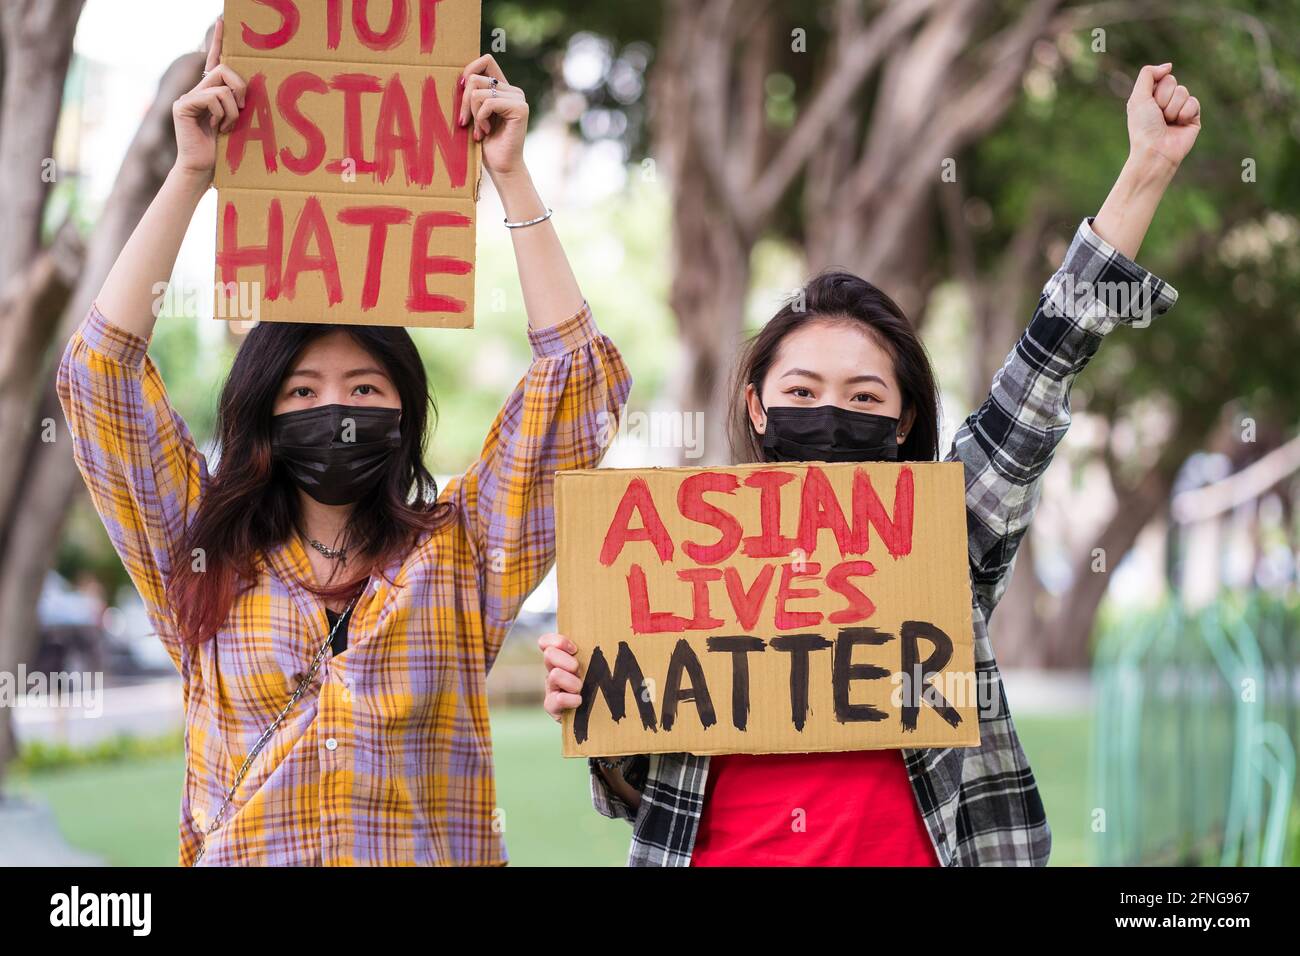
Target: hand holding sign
x: 347, y: 182
x: 210, y: 108
x: 499, y: 113
x: 563, y: 685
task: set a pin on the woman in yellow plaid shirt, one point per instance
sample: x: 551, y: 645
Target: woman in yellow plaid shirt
x: 332, y: 617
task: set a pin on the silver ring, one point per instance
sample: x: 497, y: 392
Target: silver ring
x: 494, y: 91
x: 494, y: 82
x: 206, y: 73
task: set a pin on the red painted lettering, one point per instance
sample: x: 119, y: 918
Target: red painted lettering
x: 286, y: 100
x: 699, y: 578
x: 769, y: 542
x: 396, y: 134
x: 232, y: 257
x: 645, y: 621
x: 290, y: 19
x: 691, y: 503
x: 378, y: 218
x: 860, y: 606
x: 896, y: 530
x: 386, y: 38
x: 748, y: 604
x: 312, y: 226
x: 256, y: 123
x: 353, y: 87
x: 439, y: 129
x: 787, y: 620
x: 424, y: 265
x: 636, y: 498
x: 819, y: 508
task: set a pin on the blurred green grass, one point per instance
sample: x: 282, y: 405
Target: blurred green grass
x: 126, y: 811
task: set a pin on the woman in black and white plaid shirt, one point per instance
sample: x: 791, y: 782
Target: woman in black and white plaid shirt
x: 845, y: 378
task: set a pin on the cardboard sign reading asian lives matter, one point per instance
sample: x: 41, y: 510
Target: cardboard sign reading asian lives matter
x: 347, y: 187
x: 770, y: 608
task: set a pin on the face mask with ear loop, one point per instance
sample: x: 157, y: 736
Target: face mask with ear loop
x: 336, y: 453
x: 828, y: 433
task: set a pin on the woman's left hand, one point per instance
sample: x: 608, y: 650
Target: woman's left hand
x: 499, y: 114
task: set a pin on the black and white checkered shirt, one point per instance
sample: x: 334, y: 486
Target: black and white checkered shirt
x: 980, y: 804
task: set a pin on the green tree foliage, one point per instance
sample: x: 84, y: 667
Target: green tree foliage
x: 1227, y: 234
x: 530, y: 39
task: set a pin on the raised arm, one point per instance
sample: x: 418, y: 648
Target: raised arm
x: 556, y: 419
x: 146, y: 261
x: 141, y: 467
x: 566, y: 404
x: 1163, y: 122
x: 499, y: 113
x: 1007, y: 444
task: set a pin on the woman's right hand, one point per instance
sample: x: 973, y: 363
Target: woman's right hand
x: 210, y: 108
x: 564, y: 693
x: 563, y: 685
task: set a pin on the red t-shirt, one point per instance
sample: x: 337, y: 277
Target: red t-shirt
x: 823, y: 809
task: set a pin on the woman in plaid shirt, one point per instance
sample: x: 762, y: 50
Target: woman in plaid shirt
x: 843, y: 377
x: 322, y: 517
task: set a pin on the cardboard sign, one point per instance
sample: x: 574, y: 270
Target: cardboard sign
x: 347, y: 186
x: 767, y: 608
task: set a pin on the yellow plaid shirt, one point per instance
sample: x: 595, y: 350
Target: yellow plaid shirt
x: 387, y: 759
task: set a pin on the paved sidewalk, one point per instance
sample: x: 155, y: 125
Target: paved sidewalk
x: 146, y: 710
x: 1048, y: 693
x: 29, y: 836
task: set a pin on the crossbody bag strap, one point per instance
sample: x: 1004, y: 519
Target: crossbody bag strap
x: 270, y: 730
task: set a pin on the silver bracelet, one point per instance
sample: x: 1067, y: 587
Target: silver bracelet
x: 530, y: 222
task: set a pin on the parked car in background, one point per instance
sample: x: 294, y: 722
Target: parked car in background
x: 80, y: 632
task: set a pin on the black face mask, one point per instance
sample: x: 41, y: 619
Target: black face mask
x: 314, y: 446
x: 828, y: 433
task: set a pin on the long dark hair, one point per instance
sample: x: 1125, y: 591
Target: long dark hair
x: 841, y: 296
x: 251, y: 506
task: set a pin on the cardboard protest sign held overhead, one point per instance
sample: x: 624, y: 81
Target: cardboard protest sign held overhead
x: 773, y: 608
x: 347, y: 187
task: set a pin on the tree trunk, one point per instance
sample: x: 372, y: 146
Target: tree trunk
x: 1066, y: 642
x: 710, y: 254
x: 1017, y: 635
x: 999, y: 303
x: 938, y: 94
x: 37, y: 37
x: 47, y: 495
x: 40, y: 503
x: 731, y: 170
x: 27, y: 318
x: 710, y: 282
x: 35, y: 50
x: 867, y: 207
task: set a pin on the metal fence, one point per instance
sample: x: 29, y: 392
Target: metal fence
x: 1194, y: 754
x: 1194, y: 751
